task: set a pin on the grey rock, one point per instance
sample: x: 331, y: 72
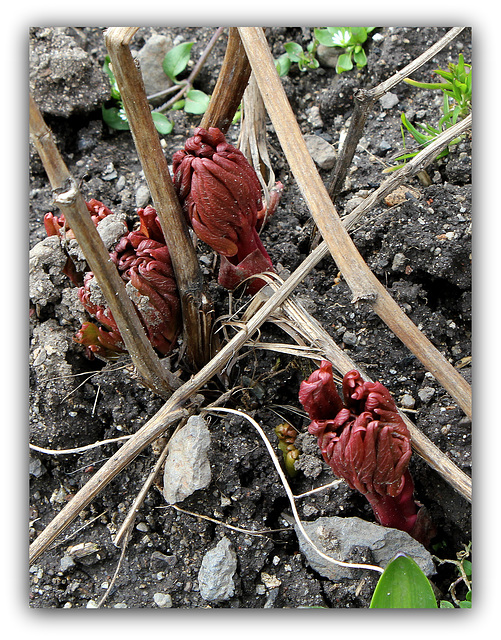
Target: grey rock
x: 323, y: 153
x: 349, y: 338
x: 66, y: 563
x: 407, y: 401
x: 150, y: 58
x: 343, y: 538
x: 142, y: 196
x: 215, y: 577
x: 163, y: 600
x: 64, y: 79
x: 399, y: 262
x: 389, y: 100
x: 112, y: 228
x: 46, y: 277
x: 328, y: 56
x: 187, y: 467
x: 426, y: 394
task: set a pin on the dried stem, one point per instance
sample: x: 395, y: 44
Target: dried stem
x: 362, y: 282
x: 70, y: 201
x: 230, y: 85
x: 196, y: 307
x: 365, y: 100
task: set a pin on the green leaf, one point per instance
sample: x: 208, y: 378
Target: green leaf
x: 465, y: 604
x: 176, y: 59
x: 116, y: 118
x: 162, y: 124
x: 196, y: 101
x: 324, y: 36
x: 360, y: 58
x: 403, y: 586
x: 358, y: 34
x: 467, y: 568
x: 344, y: 63
x: 283, y: 64
x: 445, y: 604
x: 294, y: 51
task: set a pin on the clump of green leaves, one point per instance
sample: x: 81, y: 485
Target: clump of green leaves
x: 463, y: 565
x: 457, y: 95
x: 349, y: 40
x: 175, y: 62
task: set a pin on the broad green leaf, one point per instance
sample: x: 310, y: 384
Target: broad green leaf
x: 178, y: 105
x: 358, y: 34
x: 162, y: 124
x: 115, y: 118
x: 176, y: 59
x: 324, y: 36
x: 445, y: 604
x: 403, y: 585
x: 467, y: 568
x: 294, y: 51
x: 465, y: 605
x: 344, y: 63
x: 196, y: 101
x: 283, y: 64
x: 360, y: 58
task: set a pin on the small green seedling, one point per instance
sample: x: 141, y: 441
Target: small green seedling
x: 457, y: 90
x: 403, y: 585
x: 174, y: 63
x: 351, y: 39
x: 348, y: 39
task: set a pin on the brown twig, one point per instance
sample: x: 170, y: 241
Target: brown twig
x: 363, y: 283
x: 230, y: 85
x: 195, y: 304
x: 70, y: 201
x: 365, y: 100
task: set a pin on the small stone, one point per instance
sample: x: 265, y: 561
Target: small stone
x: 151, y: 57
x: 349, y: 338
x: 215, y: 577
x: 328, y: 56
x: 187, y: 467
x: 426, y: 394
x: 341, y: 537
x: 66, y: 563
x: 399, y: 262
x: 163, y: 600
x: 389, y: 100
x: 142, y: 196
x: 323, y: 153
x: 407, y: 401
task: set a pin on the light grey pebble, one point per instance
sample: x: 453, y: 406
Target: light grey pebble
x: 215, y: 577
x: 142, y: 196
x: 150, y: 58
x: 187, y: 467
x: 349, y: 338
x: 407, y: 401
x: 163, y: 600
x: 389, y: 100
x: 323, y: 153
x: 426, y: 394
x: 340, y: 537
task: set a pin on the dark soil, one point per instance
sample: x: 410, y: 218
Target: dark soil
x: 419, y: 249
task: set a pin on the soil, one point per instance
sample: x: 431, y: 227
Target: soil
x: 419, y: 248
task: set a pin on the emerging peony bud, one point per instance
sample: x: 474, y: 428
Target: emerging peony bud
x: 143, y: 261
x: 221, y: 197
x: 365, y: 442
